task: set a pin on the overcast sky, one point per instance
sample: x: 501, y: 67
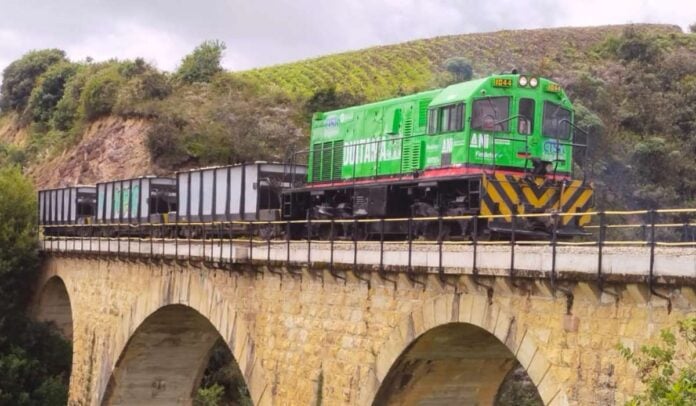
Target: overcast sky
x: 264, y: 32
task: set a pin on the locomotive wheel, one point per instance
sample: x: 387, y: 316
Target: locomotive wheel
x: 433, y: 232
x: 267, y: 232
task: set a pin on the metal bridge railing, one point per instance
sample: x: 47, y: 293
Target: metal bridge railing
x: 664, y: 228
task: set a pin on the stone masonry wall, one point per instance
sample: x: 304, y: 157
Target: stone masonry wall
x: 296, y: 335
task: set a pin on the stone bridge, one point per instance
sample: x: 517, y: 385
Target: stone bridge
x: 357, y: 326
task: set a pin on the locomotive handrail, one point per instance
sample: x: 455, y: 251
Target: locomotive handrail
x: 572, y: 143
x: 525, y: 140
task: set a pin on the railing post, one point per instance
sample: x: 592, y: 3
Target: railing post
x: 230, y: 227
x: 474, y: 268
x: 309, y: 241
x: 651, y: 220
x: 355, y: 244
x: 381, y: 245
x: 204, y: 236
x: 512, y: 247
x: 268, y: 244
x: 601, y: 237
x: 331, y: 246
x: 554, y: 240
x: 287, y: 242
x: 250, y: 229
x: 410, y: 242
x: 440, y: 269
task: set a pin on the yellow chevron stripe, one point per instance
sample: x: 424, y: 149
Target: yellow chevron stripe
x: 504, y: 209
x: 582, y: 199
x: 570, y: 191
x: 538, y: 202
x: 510, y: 192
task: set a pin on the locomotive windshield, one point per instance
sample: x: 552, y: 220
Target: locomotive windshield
x: 525, y: 124
x: 556, y: 121
x: 487, y: 114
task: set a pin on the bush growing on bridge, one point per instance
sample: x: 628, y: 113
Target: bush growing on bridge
x: 667, y: 369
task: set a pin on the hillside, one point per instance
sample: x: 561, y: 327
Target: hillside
x: 634, y: 88
x: 383, y: 71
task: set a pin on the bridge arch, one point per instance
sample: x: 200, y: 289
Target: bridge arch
x: 203, y: 309
x: 54, y: 306
x: 164, y: 360
x: 458, y: 349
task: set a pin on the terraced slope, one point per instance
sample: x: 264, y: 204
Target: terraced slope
x: 383, y: 71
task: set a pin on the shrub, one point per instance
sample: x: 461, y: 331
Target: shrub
x: 49, y: 90
x: 20, y: 76
x: 667, y: 369
x: 100, y: 91
x: 67, y: 109
x: 460, y: 68
x: 135, y: 96
x: 203, y: 63
x: 635, y: 46
x: 210, y: 396
x: 329, y: 99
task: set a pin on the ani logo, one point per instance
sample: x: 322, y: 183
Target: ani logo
x: 480, y: 141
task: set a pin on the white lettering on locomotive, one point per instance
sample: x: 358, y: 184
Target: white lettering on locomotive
x: 364, y: 151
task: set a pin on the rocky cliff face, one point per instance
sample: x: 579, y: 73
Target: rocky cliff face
x: 111, y: 148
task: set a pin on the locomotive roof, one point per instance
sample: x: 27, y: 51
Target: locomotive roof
x: 459, y: 91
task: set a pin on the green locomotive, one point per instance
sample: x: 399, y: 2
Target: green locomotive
x: 499, y: 145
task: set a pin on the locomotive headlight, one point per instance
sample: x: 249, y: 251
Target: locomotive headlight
x: 533, y: 82
x: 523, y: 80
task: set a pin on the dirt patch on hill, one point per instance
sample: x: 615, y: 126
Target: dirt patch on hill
x: 111, y: 148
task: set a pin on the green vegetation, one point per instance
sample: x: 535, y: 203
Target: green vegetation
x: 223, y: 383
x: 667, y: 369
x: 203, y: 63
x: 517, y: 389
x: 634, y: 87
x: 20, y: 77
x: 460, y: 69
x: 34, y: 361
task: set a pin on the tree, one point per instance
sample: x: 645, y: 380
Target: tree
x: 667, y: 369
x: 203, y: 63
x: 329, y: 99
x: 20, y: 76
x: 692, y: 28
x: 34, y: 360
x: 460, y: 68
x: 49, y: 90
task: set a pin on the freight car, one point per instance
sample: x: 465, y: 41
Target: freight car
x: 497, y: 146
x: 65, y: 207
x: 185, y: 205
x: 245, y: 192
x: 146, y: 199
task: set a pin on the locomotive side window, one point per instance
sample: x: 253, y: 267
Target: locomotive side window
x: 452, y: 118
x: 432, y: 121
x: 487, y: 114
x: 525, y: 121
x: 556, y: 121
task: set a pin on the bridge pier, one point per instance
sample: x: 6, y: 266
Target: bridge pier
x: 302, y: 336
